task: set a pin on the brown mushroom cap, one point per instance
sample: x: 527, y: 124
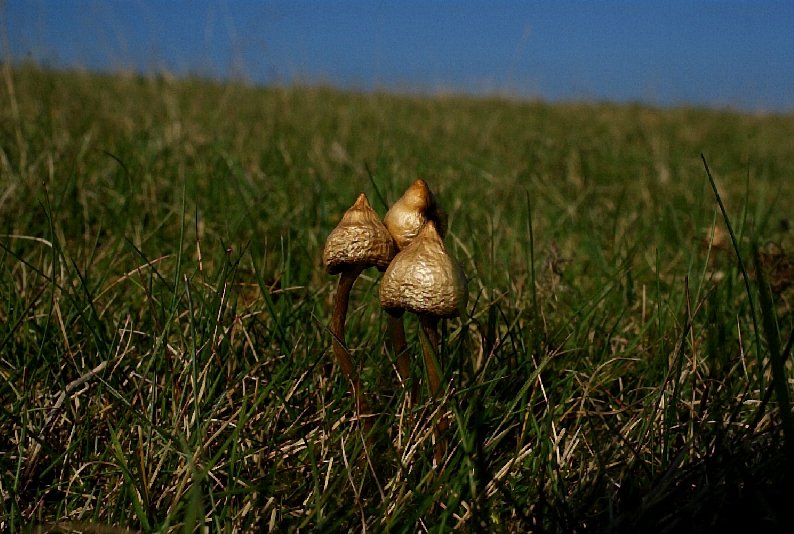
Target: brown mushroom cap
x: 424, y: 279
x: 410, y: 213
x: 360, y: 239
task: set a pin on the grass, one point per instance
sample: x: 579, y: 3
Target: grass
x: 164, y: 352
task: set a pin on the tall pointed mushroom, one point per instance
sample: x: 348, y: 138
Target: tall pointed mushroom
x: 423, y: 279
x: 409, y: 214
x: 360, y: 240
x: 404, y: 220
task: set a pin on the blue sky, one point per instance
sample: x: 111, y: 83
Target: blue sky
x: 713, y: 53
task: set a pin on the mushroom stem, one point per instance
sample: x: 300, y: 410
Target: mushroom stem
x: 396, y: 331
x: 430, y: 350
x: 346, y: 280
x: 430, y: 347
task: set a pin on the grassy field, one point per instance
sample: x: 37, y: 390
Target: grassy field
x: 165, y: 359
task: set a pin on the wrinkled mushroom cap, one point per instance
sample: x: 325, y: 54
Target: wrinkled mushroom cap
x: 410, y: 213
x: 424, y: 279
x: 360, y: 239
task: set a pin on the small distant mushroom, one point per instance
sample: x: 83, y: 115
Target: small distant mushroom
x: 423, y: 279
x: 404, y: 220
x: 359, y: 241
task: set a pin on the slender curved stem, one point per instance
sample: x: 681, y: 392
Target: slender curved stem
x: 430, y: 346
x: 396, y: 331
x: 346, y: 281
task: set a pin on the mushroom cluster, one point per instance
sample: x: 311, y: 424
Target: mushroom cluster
x: 420, y: 277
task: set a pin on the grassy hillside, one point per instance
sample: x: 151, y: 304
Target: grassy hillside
x: 164, y: 350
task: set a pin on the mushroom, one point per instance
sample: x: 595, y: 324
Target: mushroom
x: 423, y: 279
x: 360, y: 240
x: 404, y: 220
x: 410, y: 213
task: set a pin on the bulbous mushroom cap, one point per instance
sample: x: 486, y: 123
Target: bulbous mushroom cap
x: 410, y: 213
x: 424, y: 279
x: 360, y: 239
